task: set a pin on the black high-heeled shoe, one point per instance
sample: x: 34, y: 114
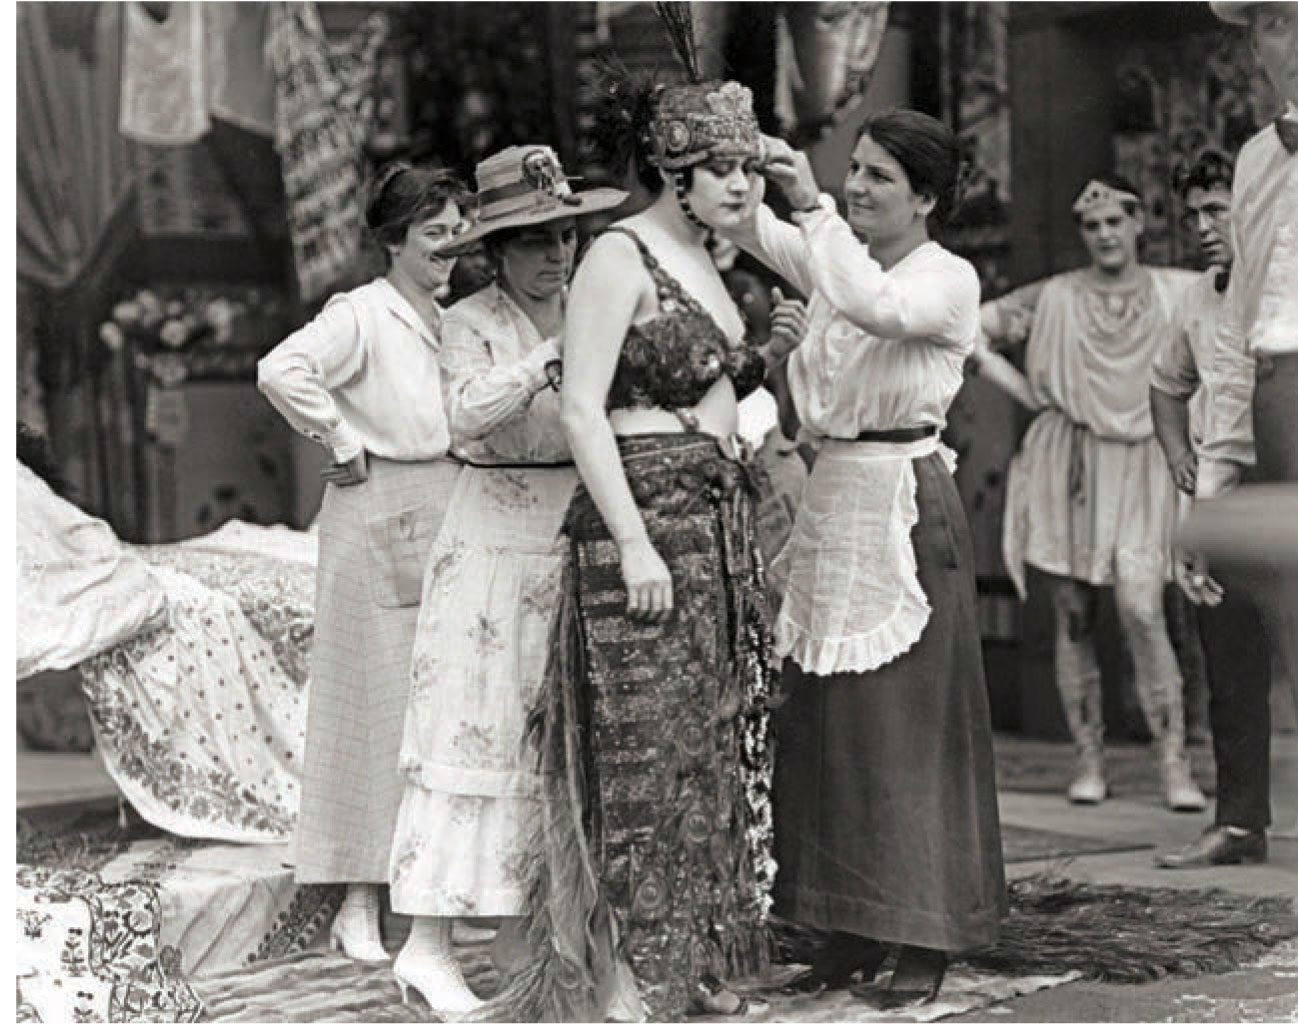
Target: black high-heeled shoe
x: 916, y: 980
x: 837, y: 964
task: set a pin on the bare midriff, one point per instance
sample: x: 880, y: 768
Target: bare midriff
x: 717, y: 414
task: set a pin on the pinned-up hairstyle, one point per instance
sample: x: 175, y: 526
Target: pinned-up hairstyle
x: 402, y: 194
x: 928, y: 152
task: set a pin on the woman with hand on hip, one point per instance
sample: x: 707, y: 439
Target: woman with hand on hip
x: 364, y: 380
x: 468, y: 820
x: 886, y: 822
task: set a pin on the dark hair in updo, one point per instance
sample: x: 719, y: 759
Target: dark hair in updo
x: 1211, y: 170
x: 401, y: 195
x: 621, y: 114
x: 928, y: 152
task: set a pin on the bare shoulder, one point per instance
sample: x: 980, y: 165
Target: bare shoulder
x: 611, y: 261
x: 615, y: 244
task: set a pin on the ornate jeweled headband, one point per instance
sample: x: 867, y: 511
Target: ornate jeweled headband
x: 1095, y: 194
x: 693, y: 123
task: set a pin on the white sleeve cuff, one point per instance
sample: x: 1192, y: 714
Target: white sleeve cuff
x: 808, y: 218
x: 344, y: 443
x: 1215, y: 478
x: 535, y: 363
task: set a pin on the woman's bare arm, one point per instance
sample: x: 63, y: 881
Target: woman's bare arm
x: 602, y: 303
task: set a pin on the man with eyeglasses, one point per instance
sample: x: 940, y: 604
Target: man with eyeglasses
x: 1239, y: 660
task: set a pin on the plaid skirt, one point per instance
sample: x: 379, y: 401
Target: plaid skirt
x: 374, y: 540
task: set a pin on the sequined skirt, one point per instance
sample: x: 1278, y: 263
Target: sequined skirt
x: 660, y: 735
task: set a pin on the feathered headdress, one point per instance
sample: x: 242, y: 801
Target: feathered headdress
x: 671, y: 126
x: 699, y: 120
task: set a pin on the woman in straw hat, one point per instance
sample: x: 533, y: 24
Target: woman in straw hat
x: 468, y: 817
x: 363, y: 380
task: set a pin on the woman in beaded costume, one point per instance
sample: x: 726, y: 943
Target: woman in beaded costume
x: 657, y: 865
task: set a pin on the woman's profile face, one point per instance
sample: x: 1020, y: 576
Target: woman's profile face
x: 538, y: 260
x: 881, y: 204
x: 1111, y: 234
x: 419, y: 257
x: 722, y: 190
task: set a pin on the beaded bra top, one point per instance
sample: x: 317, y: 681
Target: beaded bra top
x: 671, y: 360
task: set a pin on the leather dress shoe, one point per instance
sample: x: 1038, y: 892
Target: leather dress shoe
x: 1217, y: 845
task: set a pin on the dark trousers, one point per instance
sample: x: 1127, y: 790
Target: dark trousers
x: 1275, y: 418
x: 1258, y: 616
x: 1275, y: 434
x: 1239, y: 702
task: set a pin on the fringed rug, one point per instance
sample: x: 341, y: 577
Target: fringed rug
x: 1057, y: 931
x: 1126, y: 934
x: 1057, y: 926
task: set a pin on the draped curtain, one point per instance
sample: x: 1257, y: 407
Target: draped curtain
x: 74, y: 183
x: 74, y: 168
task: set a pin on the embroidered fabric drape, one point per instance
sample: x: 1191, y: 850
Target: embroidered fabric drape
x: 826, y: 59
x: 323, y: 113
x: 73, y: 168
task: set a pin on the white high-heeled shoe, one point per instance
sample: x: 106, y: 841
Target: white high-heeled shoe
x: 436, y: 977
x: 427, y: 963
x: 355, y: 931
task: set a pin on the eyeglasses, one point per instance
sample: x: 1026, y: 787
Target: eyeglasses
x: 1216, y: 214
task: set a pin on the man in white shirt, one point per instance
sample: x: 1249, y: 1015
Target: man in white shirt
x: 1253, y: 415
x: 1238, y: 654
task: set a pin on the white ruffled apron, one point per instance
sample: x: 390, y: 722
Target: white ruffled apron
x: 853, y: 600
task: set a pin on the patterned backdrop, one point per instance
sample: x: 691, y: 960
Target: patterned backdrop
x: 1177, y: 96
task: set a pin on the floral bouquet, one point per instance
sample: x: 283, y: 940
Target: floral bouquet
x: 192, y: 331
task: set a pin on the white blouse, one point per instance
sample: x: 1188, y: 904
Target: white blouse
x: 883, y: 350
x: 365, y: 375
x: 498, y: 399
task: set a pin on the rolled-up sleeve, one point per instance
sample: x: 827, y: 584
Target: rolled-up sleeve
x: 936, y: 305
x: 1174, y: 371
x: 297, y: 375
x: 483, y: 394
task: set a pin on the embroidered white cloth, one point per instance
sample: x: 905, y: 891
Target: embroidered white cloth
x: 79, y: 591
x: 853, y: 600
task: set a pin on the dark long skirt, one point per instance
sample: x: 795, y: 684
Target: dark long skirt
x: 886, y: 822
x: 655, y: 863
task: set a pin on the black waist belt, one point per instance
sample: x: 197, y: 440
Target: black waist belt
x: 465, y: 461
x: 899, y: 436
